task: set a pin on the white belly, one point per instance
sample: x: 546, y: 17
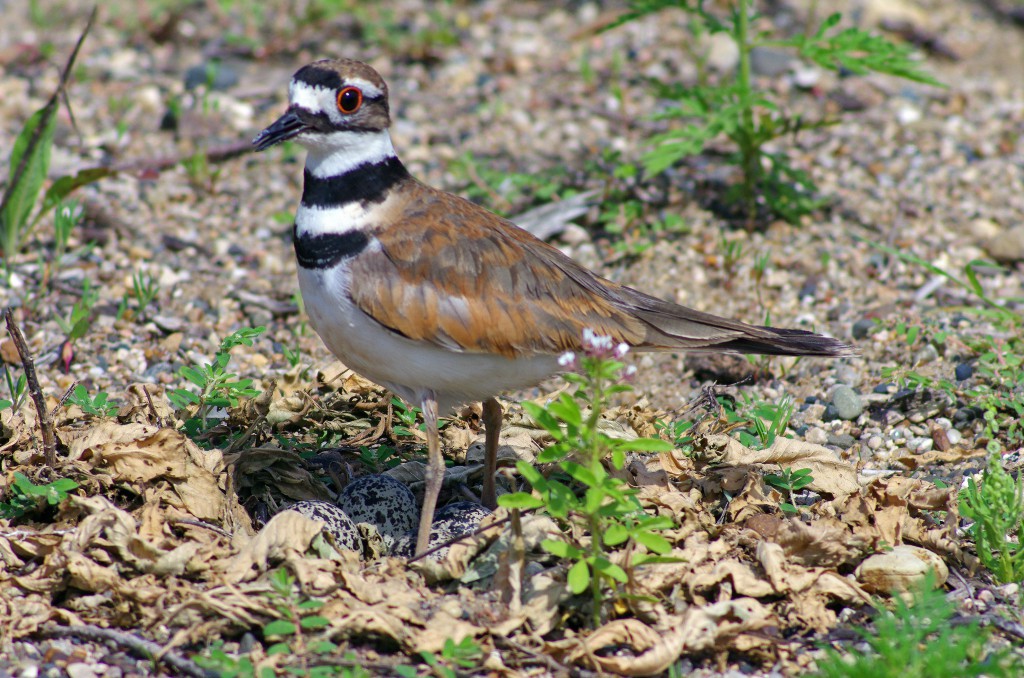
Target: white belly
x: 407, y: 367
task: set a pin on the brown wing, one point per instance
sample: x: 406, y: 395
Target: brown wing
x: 475, y: 282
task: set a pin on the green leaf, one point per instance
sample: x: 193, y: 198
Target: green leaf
x: 314, y: 622
x: 278, y: 627
x: 560, y: 549
x: 654, y: 542
x: 611, y: 570
x: 578, y: 578
x: 279, y: 648
x: 65, y: 185
x: 615, y: 534
x: 21, y: 197
x: 649, y: 445
x: 520, y: 500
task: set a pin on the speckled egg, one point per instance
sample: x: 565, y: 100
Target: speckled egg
x: 383, y: 502
x: 450, y: 522
x: 341, y: 528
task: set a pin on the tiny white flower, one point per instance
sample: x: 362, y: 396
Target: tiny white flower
x: 567, y: 359
x: 621, y: 350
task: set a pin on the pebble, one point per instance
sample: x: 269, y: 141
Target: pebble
x: 842, y: 440
x: 963, y: 371
x: 1007, y: 246
x: 920, y: 444
x: 848, y: 404
x: 220, y: 76
x: 862, y: 328
x: 816, y: 436
x: 875, y: 442
x: 381, y: 501
x: 771, y: 61
x: 964, y: 416
x: 954, y: 437
x: 927, y: 354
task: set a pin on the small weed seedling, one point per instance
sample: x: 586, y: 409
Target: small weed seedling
x: 97, y: 406
x: 379, y: 459
x: 76, y: 324
x: 997, y: 509
x: 25, y: 496
x: 789, y: 482
x: 297, y: 615
x: 143, y: 293
x: 751, y: 118
x: 919, y: 640
x: 758, y: 422
x: 605, y: 506
x: 217, y: 386
x: 464, y: 655
x: 17, y: 390
x: 999, y: 388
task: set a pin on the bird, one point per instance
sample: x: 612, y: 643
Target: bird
x: 442, y: 301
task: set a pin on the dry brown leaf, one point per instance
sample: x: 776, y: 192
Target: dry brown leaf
x: 820, y: 543
x: 832, y: 476
x: 140, y: 455
x: 287, y: 532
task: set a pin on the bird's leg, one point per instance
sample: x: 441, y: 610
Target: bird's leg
x: 434, y: 475
x: 492, y: 429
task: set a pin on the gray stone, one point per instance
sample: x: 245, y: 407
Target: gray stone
x: 848, y: 404
x: 1008, y: 246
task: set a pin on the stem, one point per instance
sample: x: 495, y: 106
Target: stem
x: 750, y: 157
x: 595, y: 576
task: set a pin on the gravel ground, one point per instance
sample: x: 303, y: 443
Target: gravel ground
x: 483, y: 89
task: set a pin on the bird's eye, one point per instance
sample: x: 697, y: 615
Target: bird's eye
x: 349, y: 100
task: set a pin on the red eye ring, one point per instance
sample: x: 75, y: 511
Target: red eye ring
x: 349, y: 100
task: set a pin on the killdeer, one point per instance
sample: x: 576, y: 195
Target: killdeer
x: 440, y: 300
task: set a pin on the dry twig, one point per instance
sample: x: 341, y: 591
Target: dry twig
x: 28, y: 364
x: 140, y: 647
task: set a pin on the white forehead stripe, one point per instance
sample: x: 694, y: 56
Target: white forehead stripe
x: 368, y: 89
x: 306, y: 96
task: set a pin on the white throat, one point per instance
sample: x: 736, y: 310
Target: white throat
x: 336, y: 153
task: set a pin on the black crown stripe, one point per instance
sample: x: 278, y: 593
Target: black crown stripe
x: 327, y: 249
x: 367, y: 183
x: 315, y: 76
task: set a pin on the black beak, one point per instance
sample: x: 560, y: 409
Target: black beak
x: 282, y: 129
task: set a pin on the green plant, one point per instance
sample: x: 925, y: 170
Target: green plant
x: 919, y: 640
x: 97, y: 406
x: 144, y: 291
x: 29, y: 164
x: 215, y: 659
x: 504, y: 191
x: 25, y: 495
x: 17, y: 390
x: 297, y: 616
x: 66, y: 216
x: 751, y: 118
x: 757, y: 422
x: 999, y: 390
x: 199, y: 171
x: 593, y: 499
x: 465, y: 654
x: 997, y: 509
x: 217, y: 386
x: 732, y: 252
x: 789, y: 482
x: 379, y: 459
x: 76, y: 324
x: 406, y: 416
